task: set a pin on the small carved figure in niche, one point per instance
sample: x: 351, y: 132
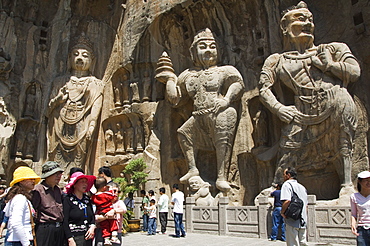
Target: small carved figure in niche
x: 323, y: 115
x: 30, y: 103
x: 31, y: 144
x: 5, y: 65
x: 147, y: 84
x: 200, y: 191
x: 135, y: 92
x: 129, y: 136
x: 260, y: 128
x: 74, y: 111
x: 20, y: 136
x: 139, y: 136
x: 117, y: 94
x: 109, y: 141
x: 120, y: 136
x: 125, y: 89
x: 215, y: 91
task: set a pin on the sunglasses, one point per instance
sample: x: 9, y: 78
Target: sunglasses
x: 116, y: 191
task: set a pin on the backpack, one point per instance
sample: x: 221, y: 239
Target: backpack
x: 295, y: 207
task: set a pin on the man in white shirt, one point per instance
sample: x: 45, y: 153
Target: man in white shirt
x: 295, y: 230
x: 178, y: 210
x: 163, y: 209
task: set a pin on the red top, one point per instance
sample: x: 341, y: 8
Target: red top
x: 103, y: 202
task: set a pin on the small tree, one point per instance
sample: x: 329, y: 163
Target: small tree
x: 135, y: 169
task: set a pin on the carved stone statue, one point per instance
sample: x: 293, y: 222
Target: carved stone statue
x: 135, y: 92
x: 129, y: 136
x: 139, y: 136
x: 31, y: 144
x: 109, y: 142
x: 213, y: 90
x: 74, y: 111
x: 321, y: 114
x: 120, y: 144
x: 117, y: 94
x: 30, y: 103
x: 20, y: 136
x: 200, y: 191
x: 147, y: 83
x: 125, y: 89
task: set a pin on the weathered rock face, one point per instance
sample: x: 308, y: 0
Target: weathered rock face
x: 136, y: 120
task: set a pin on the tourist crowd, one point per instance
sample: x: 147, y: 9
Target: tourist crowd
x: 86, y: 212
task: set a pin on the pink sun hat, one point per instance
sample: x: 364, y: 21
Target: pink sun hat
x: 77, y: 176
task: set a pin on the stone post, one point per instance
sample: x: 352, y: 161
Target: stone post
x: 311, y: 217
x: 262, y: 216
x: 190, y: 203
x: 222, y: 215
x: 137, y: 209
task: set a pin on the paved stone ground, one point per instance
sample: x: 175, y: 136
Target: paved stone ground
x: 193, y: 239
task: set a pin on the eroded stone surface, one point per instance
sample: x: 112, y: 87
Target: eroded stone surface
x: 128, y: 38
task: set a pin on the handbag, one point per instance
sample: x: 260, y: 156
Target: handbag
x: 32, y: 225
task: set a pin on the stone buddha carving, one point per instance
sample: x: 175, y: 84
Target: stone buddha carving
x: 74, y: 111
x: 30, y: 103
x: 135, y: 92
x: 320, y: 117
x: 125, y: 89
x: 109, y: 141
x: 147, y: 84
x: 120, y: 140
x: 214, y: 90
x: 139, y: 136
x: 129, y: 136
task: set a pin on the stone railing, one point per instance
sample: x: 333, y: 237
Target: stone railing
x: 325, y: 224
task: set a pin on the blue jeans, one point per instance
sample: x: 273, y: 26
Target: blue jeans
x: 179, y: 226
x: 145, y: 222
x: 277, y: 220
x: 152, y: 226
x: 364, y: 238
x: 15, y: 243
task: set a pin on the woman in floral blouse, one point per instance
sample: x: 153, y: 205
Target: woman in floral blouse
x: 79, y: 220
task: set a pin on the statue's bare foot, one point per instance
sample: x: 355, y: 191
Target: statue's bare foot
x: 223, y: 186
x: 191, y: 173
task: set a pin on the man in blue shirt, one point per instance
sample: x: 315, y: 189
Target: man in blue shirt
x: 277, y: 219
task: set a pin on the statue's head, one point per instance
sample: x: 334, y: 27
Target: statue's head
x: 297, y: 24
x: 81, y: 54
x: 195, y: 183
x: 203, y: 50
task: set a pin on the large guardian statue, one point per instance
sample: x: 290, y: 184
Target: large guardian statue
x: 213, y: 90
x: 305, y: 86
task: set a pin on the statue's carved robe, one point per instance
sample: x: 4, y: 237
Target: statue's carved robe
x: 70, y: 120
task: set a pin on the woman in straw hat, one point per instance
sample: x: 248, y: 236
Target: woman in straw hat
x: 79, y: 219
x: 360, y: 208
x: 19, y: 208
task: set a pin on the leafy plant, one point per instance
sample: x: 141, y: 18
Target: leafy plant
x: 135, y: 169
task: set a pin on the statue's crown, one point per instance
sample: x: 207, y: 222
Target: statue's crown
x: 300, y: 5
x: 205, y: 34
x: 83, y: 42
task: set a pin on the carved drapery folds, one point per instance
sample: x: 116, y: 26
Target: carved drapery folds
x: 74, y: 111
